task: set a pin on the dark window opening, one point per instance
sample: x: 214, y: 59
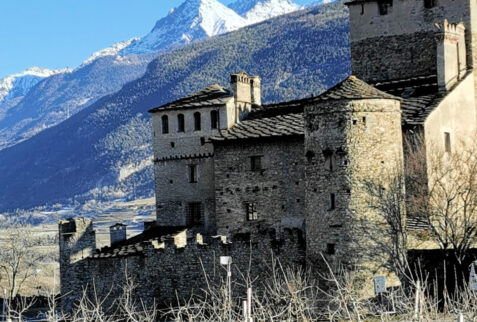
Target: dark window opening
x: 362, y: 9
x: 165, y: 124
x: 330, y: 249
x: 332, y: 201
x: 180, y: 123
x: 447, y: 139
x: 429, y: 4
x: 364, y: 119
x: 214, y: 120
x: 197, y: 121
x: 193, y: 173
x: 195, y: 214
x: 173, y: 144
x: 355, y: 122
x: 385, y: 6
x: 202, y: 141
x: 329, y: 160
x: 310, y: 155
x: 256, y: 163
x: 251, y: 211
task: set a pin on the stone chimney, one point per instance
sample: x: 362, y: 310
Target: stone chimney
x: 240, y: 86
x: 256, y: 87
x: 117, y: 233
x: 451, y: 54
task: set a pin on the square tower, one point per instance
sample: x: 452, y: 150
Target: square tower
x: 396, y: 39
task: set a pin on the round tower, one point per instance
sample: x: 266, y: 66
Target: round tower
x: 353, y: 139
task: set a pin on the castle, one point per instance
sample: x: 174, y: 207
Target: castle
x: 231, y: 172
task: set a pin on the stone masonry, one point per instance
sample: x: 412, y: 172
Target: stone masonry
x: 290, y: 179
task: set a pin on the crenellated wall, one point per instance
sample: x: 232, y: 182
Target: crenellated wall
x: 165, y: 269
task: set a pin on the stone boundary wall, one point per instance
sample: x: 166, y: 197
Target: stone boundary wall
x: 175, y: 268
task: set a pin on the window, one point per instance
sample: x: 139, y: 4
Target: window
x: 330, y: 249
x: 193, y: 173
x: 196, y: 121
x: 180, y: 123
x: 251, y: 211
x: 429, y: 4
x: 332, y: 201
x: 195, y: 214
x: 329, y: 160
x: 214, y: 120
x: 447, y: 142
x: 165, y: 124
x: 384, y: 6
x: 310, y: 155
x: 256, y: 163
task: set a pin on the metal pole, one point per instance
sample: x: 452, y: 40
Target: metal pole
x: 3, y: 308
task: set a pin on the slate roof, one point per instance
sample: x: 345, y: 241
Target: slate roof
x: 211, y: 96
x: 276, y: 126
x: 420, y: 96
x: 353, y: 88
x: 415, y: 223
x: 136, y: 244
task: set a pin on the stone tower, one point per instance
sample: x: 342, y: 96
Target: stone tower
x: 184, y: 155
x: 400, y: 39
x: 352, y: 137
x: 77, y: 241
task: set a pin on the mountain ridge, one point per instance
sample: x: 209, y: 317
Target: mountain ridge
x: 297, y: 54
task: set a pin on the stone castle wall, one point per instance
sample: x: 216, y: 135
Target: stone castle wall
x: 404, y: 37
x: 168, y: 270
x: 277, y: 190
x: 363, y: 140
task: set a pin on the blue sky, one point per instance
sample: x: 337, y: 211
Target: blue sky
x: 63, y: 33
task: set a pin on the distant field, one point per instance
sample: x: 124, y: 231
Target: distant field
x: 132, y: 213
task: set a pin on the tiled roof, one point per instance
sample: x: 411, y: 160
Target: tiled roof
x: 415, y: 223
x: 353, y: 88
x: 420, y: 96
x: 277, y: 126
x: 350, y: 88
x: 211, y: 96
x: 136, y: 244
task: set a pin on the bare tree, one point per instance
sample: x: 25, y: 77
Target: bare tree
x: 19, y: 264
x: 448, y: 203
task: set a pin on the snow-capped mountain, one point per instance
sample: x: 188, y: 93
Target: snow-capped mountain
x: 193, y: 20
x: 109, y: 51
x: 255, y: 11
x: 19, y: 84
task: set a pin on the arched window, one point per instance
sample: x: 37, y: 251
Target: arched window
x: 214, y: 120
x: 165, y: 124
x: 180, y: 123
x: 196, y: 121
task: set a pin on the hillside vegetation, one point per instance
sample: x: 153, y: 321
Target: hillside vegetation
x: 296, y: 55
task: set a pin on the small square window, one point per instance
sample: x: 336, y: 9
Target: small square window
x: 251, y: 209
x: 384, y: 6
x: 193, y: 173
x: 447, y: 142
x: 330, y: 249
x: 429, y: 4
x: 256, y: 163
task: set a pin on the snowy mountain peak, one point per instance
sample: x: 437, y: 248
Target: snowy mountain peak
x: 192, y: 20
x: 19, y: 84
x: 267, y: 9
x: 110, y: 51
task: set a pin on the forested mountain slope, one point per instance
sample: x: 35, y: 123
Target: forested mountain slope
x: 107, y: 145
